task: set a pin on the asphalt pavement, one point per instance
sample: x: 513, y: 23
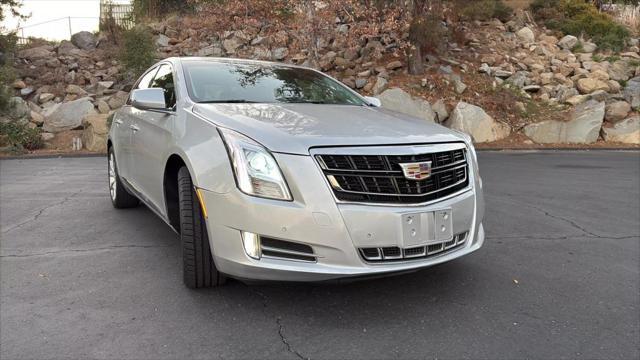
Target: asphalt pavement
x: 558, y: 276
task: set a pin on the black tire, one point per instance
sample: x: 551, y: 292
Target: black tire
x: 120, y: 197
x: 199, y: 270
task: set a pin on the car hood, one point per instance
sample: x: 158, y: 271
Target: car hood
x: 295, y: 128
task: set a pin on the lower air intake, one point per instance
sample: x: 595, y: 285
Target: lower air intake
x: 394, y: 253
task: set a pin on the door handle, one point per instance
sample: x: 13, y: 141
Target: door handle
x: 118, y: 122
x: 134, y: 127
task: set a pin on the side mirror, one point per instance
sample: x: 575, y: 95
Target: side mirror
x: 373, y: 101
x: 148, y: 99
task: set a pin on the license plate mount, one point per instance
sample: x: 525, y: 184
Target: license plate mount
x: 426, y: 228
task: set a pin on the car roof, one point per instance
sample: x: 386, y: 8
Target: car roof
x: 231, y: 61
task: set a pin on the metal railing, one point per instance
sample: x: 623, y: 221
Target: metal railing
x: 116, y: 14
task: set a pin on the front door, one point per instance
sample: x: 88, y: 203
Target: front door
x: 151, y: 138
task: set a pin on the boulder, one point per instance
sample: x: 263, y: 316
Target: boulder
x: 103, y: 107
x: 162, y: 40
x: 231, y: 45
x: 37, y: 118
x: 94, y: 136
x: 118, y: 100
x: 66, y: 48
x: 26, y: 91
x: 19, y: 84
x: 67, y: 116
x: 526, y: 35
x: 398, y: 100
x: 101, y: 86
x: 632, y: 92
x: 474, y: 121
x: 621, y: 71
x: 568, y: 42
x: 589, y: 85
x: 18, y: 109
x: 588, y: 47
x: 458, y: 85
x: 380, y: 85
x: 396, y: 64
x: 84, y: 40
x: 45, y: 97
x: 617, y: 111
x: 440, y: 109
x: 626, y: 131
x: 280, y: 53
x: 583, y: 128
x: 75, y: 90
x: 47, y: 136
x: 36, y: 53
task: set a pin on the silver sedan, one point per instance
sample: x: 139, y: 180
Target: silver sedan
x: 276, y: 172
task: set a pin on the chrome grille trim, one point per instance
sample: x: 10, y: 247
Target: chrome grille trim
x: 361, y: 175
x: 415, y: 253
x: 399, y: 194
x: 284, y: 250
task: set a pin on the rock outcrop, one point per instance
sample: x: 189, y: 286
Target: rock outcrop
x: 67, y: 116
x: 399, y: 100
x: 474, y: 121
x: 583, y: 128
x: 626, y: 131
x: 94, y: 135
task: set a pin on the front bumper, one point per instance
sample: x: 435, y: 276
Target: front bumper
x: 335, y: 231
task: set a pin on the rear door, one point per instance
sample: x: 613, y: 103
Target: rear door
x: 151, y: 139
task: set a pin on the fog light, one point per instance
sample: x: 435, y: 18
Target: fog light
x: 251, y: 243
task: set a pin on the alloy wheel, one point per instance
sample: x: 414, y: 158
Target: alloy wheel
x: 112, y: 177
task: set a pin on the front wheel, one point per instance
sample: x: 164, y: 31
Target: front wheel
x: 120, y: 197
x: 199, y: 270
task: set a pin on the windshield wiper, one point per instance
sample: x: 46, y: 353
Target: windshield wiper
x: 308, y: 102
x: 229, y: 101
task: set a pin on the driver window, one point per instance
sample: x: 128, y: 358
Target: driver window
x: 164, y: 80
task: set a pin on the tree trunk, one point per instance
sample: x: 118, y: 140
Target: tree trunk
x: 414, y: 57
x: 312, y: 28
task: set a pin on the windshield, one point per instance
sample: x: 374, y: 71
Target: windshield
x: 236, y: 83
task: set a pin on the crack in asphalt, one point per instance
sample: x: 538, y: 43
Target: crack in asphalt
x: 83, y: 250
x: 40, y: 212
x: 285, y: 342
x: 563, y: 237
x: 557, y: 217
x: 283, y: 339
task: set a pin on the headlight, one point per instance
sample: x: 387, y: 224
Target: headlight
x: 256, y: 171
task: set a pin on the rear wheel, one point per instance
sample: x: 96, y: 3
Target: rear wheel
x: 120, y: 197
x: 199, y: 270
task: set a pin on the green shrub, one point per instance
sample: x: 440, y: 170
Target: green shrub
x: 7, y: 74
x: 486, y: 9
x: 502, y: 11
x: 578, y: 17
x: 578, y: 47
x: 20, y: 136
x: 137, y: 51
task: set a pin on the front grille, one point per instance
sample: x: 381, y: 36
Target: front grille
x: 394, y: 253
x: 379, y: 178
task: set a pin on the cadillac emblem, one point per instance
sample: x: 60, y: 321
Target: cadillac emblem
x: 416, y: 171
